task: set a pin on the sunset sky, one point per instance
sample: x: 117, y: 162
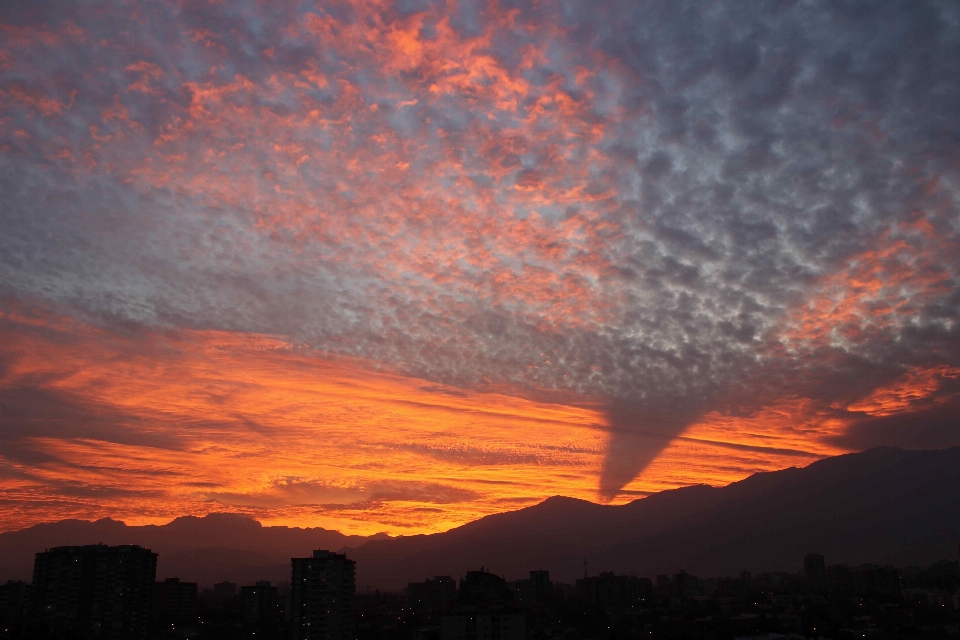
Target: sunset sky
x: 393, y: 266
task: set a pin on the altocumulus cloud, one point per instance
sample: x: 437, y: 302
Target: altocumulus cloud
x: 678, y: 210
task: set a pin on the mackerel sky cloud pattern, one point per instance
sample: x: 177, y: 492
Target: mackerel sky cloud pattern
x: 679, y: 224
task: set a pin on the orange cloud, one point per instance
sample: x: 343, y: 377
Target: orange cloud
x: 908, y: 393
x: 160, y: 424
x: 721, y: 448
x: 208, y: 420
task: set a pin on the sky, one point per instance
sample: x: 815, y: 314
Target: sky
x: 392, y: 266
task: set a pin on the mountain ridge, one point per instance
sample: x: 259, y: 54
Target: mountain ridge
x: 860, y: 507
x: 179, y: 542
x: 883, y: 504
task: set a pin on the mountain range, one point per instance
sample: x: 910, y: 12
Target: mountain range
x: 883, y: 505
x: 216, y: 547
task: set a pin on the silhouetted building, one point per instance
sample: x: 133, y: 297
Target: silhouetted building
x: 224, y: 592
x: 486, y: 610
x: 93, y: 591
x: 322, y: 597
x: 563, y: 591
x: 435, y: 594
x: 863, y: 580
x: 542, y: 586
x: 665, y: 586
x: 944, y: 574
x: 14, y: 601
x: 815, y: 572
x: 258, y: 606
x: 537, y: 590
x: 686, y: 585
x: 484, y: 626
x: 612, y: 591
x: 779, y: 582
x: 175, y: 601
x: 484, y: 589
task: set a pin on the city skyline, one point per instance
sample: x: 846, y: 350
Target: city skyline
x: 102, y: 591
x: 383, y: 266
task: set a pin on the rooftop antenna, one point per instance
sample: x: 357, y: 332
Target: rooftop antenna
x: 584, y: 567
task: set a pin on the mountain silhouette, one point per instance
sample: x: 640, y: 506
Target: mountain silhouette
x: 882, y: 505
x: 219, y: 546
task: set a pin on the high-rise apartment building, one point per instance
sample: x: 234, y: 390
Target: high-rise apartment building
x: 815, y: 572
x: 542, y: 586
x: 322, y: 592
x: 485, y: 589
x: 175, y: 601
x: 258, y: 606
x: 14, y: 599
x: 93, y: 591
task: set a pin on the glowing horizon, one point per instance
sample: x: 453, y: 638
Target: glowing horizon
x: 251, y: 424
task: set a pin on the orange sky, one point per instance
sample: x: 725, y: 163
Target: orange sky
x: 200, y: 421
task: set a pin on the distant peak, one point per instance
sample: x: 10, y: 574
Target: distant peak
x: 884, y: 449
x: 110, y: 521
x: 219, y: 518
x: 563, y: 501
x: 226, y: 516
x: 874, y: 453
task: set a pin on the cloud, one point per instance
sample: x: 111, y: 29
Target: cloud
x: 932, y: 428
x: 303, y: 492
x: 149, y: 425
x: 675, y: 210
